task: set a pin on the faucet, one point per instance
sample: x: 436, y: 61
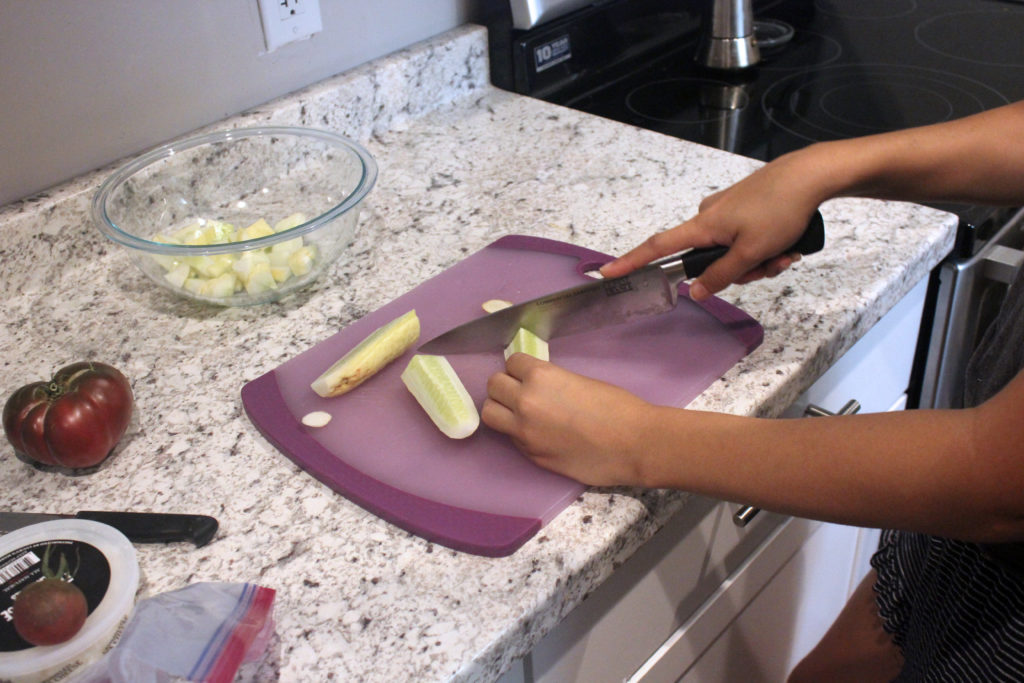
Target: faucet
x: 728, y: 40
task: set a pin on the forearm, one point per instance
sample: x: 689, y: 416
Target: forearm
x: 958, y: 473
x: 977, y: 159
x: 919, y: 470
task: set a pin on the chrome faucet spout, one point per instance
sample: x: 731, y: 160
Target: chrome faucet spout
x: 728, y: 40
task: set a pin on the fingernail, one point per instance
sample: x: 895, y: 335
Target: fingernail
x: 698, y: 292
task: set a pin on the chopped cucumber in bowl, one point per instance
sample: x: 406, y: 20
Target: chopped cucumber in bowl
x: 239, y: 217
x: 253, y: 271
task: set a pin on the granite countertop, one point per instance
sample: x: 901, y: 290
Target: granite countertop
x: 461, y: 164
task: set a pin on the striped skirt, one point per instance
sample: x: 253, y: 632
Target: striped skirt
x: 955, y: 611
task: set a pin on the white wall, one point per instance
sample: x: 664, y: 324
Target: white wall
x: 86, y: 82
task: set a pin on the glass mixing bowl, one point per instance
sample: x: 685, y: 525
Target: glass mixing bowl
x: 241, y: 216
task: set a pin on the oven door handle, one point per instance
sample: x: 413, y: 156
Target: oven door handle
x: 1002, y: 263
x: 746, y: 513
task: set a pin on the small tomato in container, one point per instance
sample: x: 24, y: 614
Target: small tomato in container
x: 72, y: 421
x: 52, y: 610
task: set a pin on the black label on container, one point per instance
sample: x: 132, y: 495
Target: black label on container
x: 556, y: 51
x: 88, y: 567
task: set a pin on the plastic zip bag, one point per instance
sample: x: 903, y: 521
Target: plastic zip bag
x: 203, y: 632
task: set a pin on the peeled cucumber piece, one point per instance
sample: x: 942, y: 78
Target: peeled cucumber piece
x: 289, y: 222
x: 384, y: 345
x: 440, y: 392
x: 178, y: 274
x: 254, y: 271
x: 495, y: 305
x: 258, y: 229
x: 529, y: 343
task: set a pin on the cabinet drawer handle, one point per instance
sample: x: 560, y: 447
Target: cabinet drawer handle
x: 746, y: 513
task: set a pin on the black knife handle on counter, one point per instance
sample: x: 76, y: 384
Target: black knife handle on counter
x: 695, y: 261
x: 157, y: 527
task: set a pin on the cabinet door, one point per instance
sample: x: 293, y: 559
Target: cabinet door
x: 788, y: 616
x: 611, y: 633
x: 686, y: 649
x: 516, y: 673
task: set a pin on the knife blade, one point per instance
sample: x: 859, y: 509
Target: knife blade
x: 646, y: 291
x: 139, y: 527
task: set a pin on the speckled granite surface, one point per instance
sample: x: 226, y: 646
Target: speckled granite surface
x: 460, y: 165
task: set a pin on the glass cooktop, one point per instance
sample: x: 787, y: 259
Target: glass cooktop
x: 849, y: 68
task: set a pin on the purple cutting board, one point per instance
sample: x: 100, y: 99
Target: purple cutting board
x: 479, y: 494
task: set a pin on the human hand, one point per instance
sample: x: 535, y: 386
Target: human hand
x: 758, y: 218
x: 579, y: 427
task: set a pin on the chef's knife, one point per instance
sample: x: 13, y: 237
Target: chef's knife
x: 646, y: 291
x: 139, y: 527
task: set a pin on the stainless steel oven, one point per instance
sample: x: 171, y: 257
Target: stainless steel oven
x: 825, y: 69
x: 966, y: 292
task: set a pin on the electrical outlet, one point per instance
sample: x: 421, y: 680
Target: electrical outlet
x: 285, y: 21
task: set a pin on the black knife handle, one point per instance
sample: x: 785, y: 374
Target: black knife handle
x: 157, y: 527
x: 812, y: 240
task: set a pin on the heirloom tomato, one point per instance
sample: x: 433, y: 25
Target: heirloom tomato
x: 74, y: 420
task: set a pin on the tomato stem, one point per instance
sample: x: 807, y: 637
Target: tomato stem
x: 54, y: 390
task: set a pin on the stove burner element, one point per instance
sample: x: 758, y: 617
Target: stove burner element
x: 805, y: 50
x: 848, y: 101
x: 770, y: 33
x: 867, y: 9
x: 1002, y: 28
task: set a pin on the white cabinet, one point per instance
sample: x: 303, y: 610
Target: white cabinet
x: 780, y: 619
x: 618, y: 626
x: 706, y: 601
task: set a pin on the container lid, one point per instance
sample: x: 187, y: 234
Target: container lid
x: 105, y: 568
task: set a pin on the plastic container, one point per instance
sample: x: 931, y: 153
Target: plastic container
x: 108, y: 574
